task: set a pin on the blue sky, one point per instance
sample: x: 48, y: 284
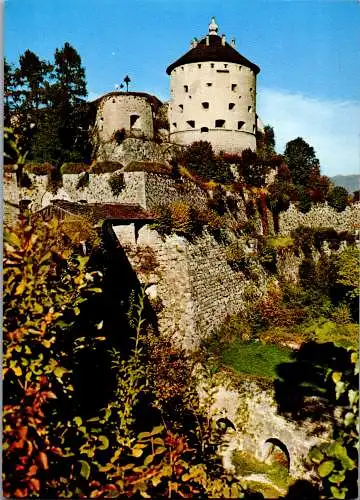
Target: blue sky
x: 308, y: 52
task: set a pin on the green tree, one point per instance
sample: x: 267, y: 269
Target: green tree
x: 338, y: 198
x: 301, y: 160
x: 32, y: 74
x: 200, y: 158
x: 252, y: 168
x: 68, y: 99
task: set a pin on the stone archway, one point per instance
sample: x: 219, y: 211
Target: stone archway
x: 275, y: 451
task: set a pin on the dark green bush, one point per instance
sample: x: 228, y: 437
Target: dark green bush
x: 116, y: 183
x: 54, y: 180
x: 200, y: 158
x: 337, y: 198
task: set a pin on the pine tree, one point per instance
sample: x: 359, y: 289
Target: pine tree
x: 301, y: 160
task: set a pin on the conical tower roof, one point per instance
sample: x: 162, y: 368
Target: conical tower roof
x: 212, y: 48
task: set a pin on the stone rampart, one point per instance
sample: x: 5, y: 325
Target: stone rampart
x: 320, y: 215
x: 195, y: 283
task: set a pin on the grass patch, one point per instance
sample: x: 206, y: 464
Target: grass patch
x: 255, y: 358
x: 277, y: 473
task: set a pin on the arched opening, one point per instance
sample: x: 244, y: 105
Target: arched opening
x: 134, y: 121
x: 276, y: 452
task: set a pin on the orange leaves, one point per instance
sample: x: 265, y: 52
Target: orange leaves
x: 43, y: 460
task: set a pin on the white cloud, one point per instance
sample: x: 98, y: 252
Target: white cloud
x: 331, y: 127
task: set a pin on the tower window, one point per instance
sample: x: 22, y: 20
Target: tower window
x: 191, y: 123
x: 182, y: 68
x: 251, y: 89
x: 181, y: 106
x: 250, y: 109
x: 204, y: 129
x: 186, y: 88
x: 205, y: 105
x: 209, y: 84
x: 219, y: 123
x: 174, y: 125
x: 231, y: 105
x: 133, y: 120
x: 233, y: 87
x: 199, y: 66
x: 225, y: 65
x: 239, y: 68
x: 240, y: 125
x: 113, y: 101
x: 212, y: 65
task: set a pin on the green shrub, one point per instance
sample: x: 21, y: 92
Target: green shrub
x: 179, y: 218
x: 104, y: 167
x: 74, y: 168
x: 116, y: 183
x: 54, y: 180
x: 236, y: 256
x: 338, y: 198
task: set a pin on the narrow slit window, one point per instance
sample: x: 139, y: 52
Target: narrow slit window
x: 225, y: 65
x: 231, y: 105
x: 233, y: 87
x: 191, y: 123
x: 209, y: 84
x: 250, y: 109
x: 181, y: 106
x: 250, y: 89
x: 204, y: 129
x: 182, y: 68
x: 199, y: 66
x: 219, y: 123
x: 175, y: 125
x: 205, y: 105
x: 212, y: 65
x: 113, y: 101
x: 186, y: 88
x: 240, y: 125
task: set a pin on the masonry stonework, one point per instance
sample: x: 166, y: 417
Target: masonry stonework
x: 197, y: 286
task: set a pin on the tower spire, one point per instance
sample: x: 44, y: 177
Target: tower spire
x: 213, y: 27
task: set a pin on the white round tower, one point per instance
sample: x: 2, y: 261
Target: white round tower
x: 213, y: 95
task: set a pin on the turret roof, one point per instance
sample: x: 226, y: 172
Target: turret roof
x: 215, y: 51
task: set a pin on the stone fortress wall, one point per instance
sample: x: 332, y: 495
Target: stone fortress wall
x: 149, y: 190
x: 216, y: 102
